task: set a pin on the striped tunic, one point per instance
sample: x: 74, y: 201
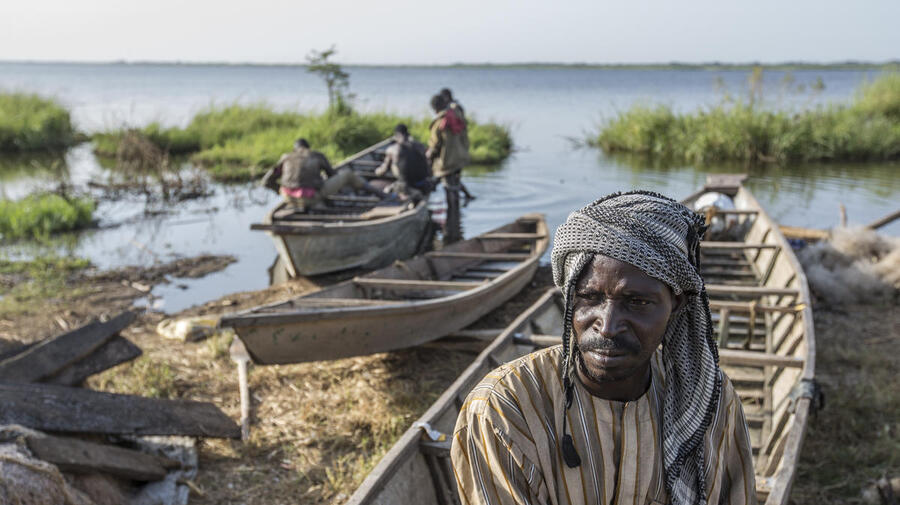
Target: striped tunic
x: 506, y: 443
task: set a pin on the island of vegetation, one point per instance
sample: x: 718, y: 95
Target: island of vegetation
x: 237, y: 142
x: 745, y: 129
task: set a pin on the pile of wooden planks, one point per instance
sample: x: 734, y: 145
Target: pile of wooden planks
x: 39, y: 393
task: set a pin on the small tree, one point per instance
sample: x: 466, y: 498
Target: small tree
x: 337, y: 81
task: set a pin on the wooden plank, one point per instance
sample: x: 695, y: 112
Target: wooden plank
x: 114, y: 352
x: 725, y: 289
x: 479, y: 256
x: 15, y: 348
x: 538, y: 340
x: 415, y: 284
x: 337, y: 302
x: 750, y: 358
x: 883, y: 221
x: 745, y: 307
x: 511, y: 236
x: 74, y: 410
x: 736, y: 245
x: 80, y: 456
x: 54, y: 354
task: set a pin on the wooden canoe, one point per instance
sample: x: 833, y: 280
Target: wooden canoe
x: 408, y: 303
x: 771, y: 363
x: 357, y: 233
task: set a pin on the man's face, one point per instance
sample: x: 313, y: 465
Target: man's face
x: 619, y: 318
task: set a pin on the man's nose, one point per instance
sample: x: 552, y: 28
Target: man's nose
x: 609, y: 319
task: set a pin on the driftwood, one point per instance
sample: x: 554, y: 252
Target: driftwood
x: 73, y: 410
x: 51, y: 355
x: 79, y: 456
x: 116, y: 351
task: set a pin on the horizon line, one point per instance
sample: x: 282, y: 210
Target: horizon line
x: 534, y: 64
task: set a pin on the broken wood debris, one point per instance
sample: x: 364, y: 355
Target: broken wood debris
x: 53, y: 354
x: 73, y: 410
x: 36, y: 394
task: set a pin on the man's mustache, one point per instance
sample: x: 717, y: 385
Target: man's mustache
x: 607, y: 344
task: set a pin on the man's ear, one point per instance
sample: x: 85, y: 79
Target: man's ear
x: 678, y: 302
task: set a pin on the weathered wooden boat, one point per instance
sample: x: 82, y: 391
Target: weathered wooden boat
x: 760, y: 303
x: 405, y: 304
x: 356, y: 232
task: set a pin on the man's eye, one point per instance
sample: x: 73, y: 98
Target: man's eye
x: 639, y: 302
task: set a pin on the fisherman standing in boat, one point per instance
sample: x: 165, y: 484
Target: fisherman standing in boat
x: 448, y: 151
x: 298, y: 178
x: 406, y: 160
x: 633, y: 407
x: 457, y: 108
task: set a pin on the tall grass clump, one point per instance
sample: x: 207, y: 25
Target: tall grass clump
x: 237, y: 143
x: 38, y: 216
x: 29, y: 122
x: 746, y: 130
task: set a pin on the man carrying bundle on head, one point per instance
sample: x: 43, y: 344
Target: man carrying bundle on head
x: 298, y: 178
x: 448, y: 151
x: 632, y: 407
x: 405, y: 158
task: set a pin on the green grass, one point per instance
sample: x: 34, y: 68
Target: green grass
x: 38, y: 216
x: 25, y: 283
x: 29, y: 122
x: 237, y: 143
x: 865, y: 130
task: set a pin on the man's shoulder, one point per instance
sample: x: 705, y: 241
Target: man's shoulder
x: 524, y: 374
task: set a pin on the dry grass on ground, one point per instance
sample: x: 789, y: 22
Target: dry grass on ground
x: 855, y: 439
x: 318, y: 428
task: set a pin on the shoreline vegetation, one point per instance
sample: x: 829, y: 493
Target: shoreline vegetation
x: 746, y: 129
x: 29, y: 123
x: 240, y: 142
x: 37, y: 216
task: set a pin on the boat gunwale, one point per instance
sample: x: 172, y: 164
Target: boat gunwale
x: 249, y: 318
x: 409, y: 442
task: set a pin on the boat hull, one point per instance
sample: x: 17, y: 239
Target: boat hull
x: 368, y: 330
x: 334, y: 247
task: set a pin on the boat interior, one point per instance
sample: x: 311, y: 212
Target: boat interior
x: 762, y: 323
x: 459, y: 267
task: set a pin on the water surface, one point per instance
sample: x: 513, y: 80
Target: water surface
x: 544, y: 107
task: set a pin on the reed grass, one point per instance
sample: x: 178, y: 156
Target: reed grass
x: 40, y: 215
x: 29, y: 122
x: 237, y: 143
x: 745, y: 130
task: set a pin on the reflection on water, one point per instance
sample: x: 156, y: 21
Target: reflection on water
x: 546, y: 174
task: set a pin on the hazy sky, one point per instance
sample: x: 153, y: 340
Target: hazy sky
x: 470, y: 31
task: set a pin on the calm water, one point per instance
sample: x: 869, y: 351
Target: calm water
x: 544, y: 107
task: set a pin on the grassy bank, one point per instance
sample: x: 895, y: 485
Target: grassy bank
x: 867, y: 129
x: 240, y: 142
x: 37, y: 216
x: 29, y: 122
x: 25, y: 285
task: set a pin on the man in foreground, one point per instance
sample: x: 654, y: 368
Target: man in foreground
x: 610, y: 416
x: 298, y: 178
x: 405, y: 158
x: 448, y: 151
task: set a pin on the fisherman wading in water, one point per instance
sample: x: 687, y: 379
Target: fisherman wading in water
x: 632, y: 408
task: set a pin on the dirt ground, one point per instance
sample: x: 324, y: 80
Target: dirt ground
x: 318, y: 428
x: 88, y: 293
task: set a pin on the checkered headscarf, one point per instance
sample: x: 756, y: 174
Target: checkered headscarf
x: 661, y: 237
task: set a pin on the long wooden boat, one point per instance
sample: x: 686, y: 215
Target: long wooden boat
x: 405, y: 304
x: 358, y: 232
x: 760, y: 303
